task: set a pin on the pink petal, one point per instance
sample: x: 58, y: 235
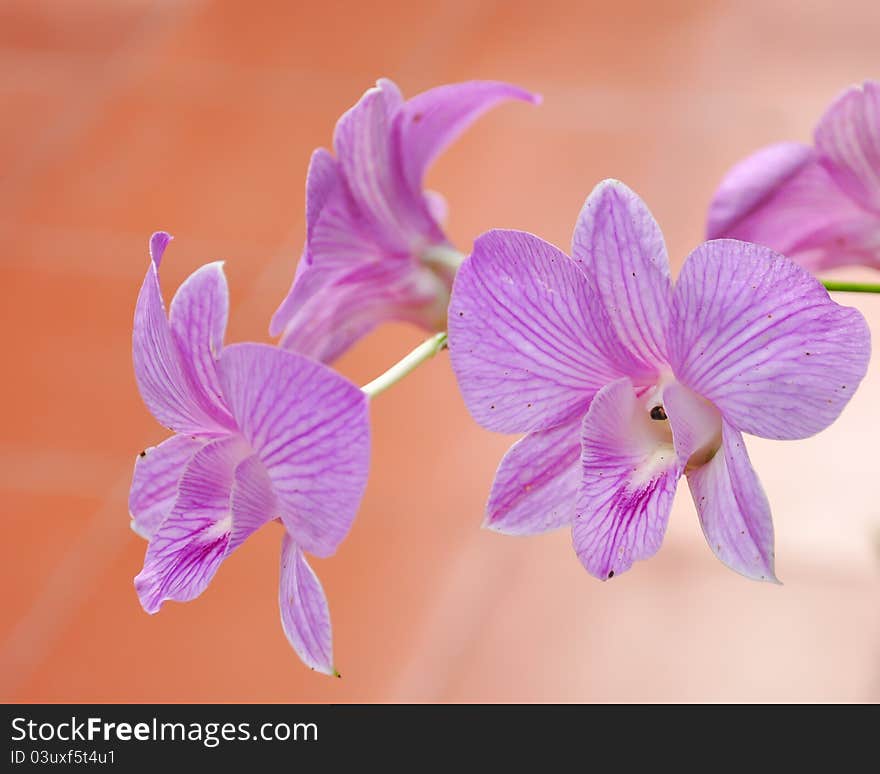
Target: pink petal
x: 363, y: 146
x: 304, y: 612
x: 393, y: 98
x: 529, y: 343
x: 751, y: 181
x: 343, y: 249
x: 198, y: 315
x: 759, y: 337
x: 788, y: 201
x: 192, y: 541
x: 733, y: 509
x: 162, y: 377
x: 848, y: 139
x: 158, y: 242
x: 537, y: 482
x: 323, y: 186
x: 157, y: 472
x: 619, y: 245
x: 341, y: 243
x: 350, y: 306
x: 437, y: 206
x: 310, y: 428
x: 323, y: 180
x: 630, y: 472
x: 253, y: 500
x: 431, y: 121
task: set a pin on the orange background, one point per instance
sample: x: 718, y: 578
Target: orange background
x: 120, y: 117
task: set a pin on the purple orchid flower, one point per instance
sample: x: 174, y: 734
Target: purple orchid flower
x: 624, y: 383
x: 375, y: 250
x: 260, y: 434
x: 818, y: 205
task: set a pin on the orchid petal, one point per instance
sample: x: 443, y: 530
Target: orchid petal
x: 393, y: 98
x: 310, y: 428
x: 305, y: 615
x: 733, y: 509
x: 537, y: 482
x: 349, y: 307
x: 784, y: 198
x: 157, y: 473
x: 437, y: 206
x: 759, y: 337
x: 158, y: 243
x: 323, y: 181
x: 192, y: 541
x: 630, y: 473
x: 848, y: 139
x: 161, y: 377
x: 431, y: 121
x: 751, y: 181
x: 363, y: 146
x: 317, y: 267
x: 198, y: 316
x: 529, y: 343
x: 621, y: 248
x: 163, y: 380
x: 253, y: 500
x: 341, y: 241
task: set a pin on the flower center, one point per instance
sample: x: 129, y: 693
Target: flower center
x: 696, y: 420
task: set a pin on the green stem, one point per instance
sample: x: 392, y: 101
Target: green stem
x: 425, y: 351
x: 852, y: 287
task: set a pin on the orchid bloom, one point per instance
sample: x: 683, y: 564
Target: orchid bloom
x: 818, y: 205
x: 260, y: 434
x: 375, y: 250
x: 624, y: 383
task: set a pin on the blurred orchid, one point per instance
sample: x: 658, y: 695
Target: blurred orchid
x: 623, y: 383
x: 818, y: 205
x: 260, y: 433
x: 375, y: 250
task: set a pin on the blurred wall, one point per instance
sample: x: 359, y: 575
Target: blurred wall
x: 124, y: 116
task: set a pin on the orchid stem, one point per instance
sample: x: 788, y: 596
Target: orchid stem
x: 851, y: 287
x: 425, y: 351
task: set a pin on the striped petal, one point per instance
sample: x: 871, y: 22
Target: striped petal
x: 154, y: 487
x: 630, y: 472
x: 309, y: 426
x: 163, y: 377
x: 305, y: 615
x: 192, y: 541
x: 198, y: 315
x: 529, y: 343
x: 750, y: 182
x: 848, y: 139
x: 785, y: 198
x: 759, y: 337
x: 363, y: 146
x: 537, y: 482
x: 340, y: 313
x: 733, y: 509
x: 620, y: 247
x: 253, y: 501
